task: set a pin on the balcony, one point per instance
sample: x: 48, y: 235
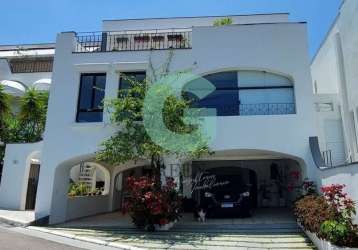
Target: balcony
x: 250, y: 109
x: 133, y: 40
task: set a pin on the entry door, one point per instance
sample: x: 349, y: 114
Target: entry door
x: 32, y: 186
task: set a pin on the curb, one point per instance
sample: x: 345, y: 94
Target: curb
x: 85, y: 239
x: 14, y: 222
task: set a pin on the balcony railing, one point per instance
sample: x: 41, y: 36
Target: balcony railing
x: 268, y: 109
x: 132, y: 41
x: 251, y: 109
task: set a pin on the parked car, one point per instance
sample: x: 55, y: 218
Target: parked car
x: 231, y: 200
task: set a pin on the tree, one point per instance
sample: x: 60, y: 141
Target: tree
x: 4, y: 114
x: 5, y: 111
x: 32, y: 115
x: 223, y: 21
x: 131, y: 142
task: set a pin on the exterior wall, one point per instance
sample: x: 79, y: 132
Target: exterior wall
x: 334, y: 71
x: 86, y: 205
x: 331, y: 134
x: 13, y: 187
x: 214, y: 49
x: 188, y: 22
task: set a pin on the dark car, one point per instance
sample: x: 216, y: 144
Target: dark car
x: 231, y: 200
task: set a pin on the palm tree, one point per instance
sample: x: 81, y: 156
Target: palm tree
x: 32, y: 115
x: 5, y: 111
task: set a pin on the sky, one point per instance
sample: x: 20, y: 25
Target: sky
x: 38, y: 21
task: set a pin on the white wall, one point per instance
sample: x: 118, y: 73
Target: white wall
x: 13, y: 186
x: 83, y: 206
x: 187, y: 22
x: 334, y: 70
x: 214, y: 49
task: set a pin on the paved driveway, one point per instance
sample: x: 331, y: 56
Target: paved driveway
x: 16, y: 241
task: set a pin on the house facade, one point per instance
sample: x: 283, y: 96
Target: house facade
x: 263, y: 98
x: 334, y: 79
x: 22, y: 67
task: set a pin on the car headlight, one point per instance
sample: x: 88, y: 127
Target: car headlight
x: 246, y: 194
x: 208, y: 195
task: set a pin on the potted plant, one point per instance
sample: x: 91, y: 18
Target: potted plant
x: 327, y: 218
x: 152, y: 207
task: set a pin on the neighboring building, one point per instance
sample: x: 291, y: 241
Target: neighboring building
x: 23, y: 67
x: 335, y: 76
x: 260, y: 68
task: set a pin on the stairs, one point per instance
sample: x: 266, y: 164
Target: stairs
x: 86, y: 175
x: 231, y: 237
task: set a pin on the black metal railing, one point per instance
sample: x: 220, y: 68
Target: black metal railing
x: 249, y: 109
x: 31, y: 65
x: 268, y: 109
x: 132, y: 41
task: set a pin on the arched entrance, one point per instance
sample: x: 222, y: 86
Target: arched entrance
x: 273, y: 180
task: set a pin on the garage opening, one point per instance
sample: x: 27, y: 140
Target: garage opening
x: 243, y: 188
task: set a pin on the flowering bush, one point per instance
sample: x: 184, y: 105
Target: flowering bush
x: 150, y: 205
x: 308, y: 187
x: 329, y: 215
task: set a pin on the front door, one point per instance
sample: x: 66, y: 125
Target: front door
x: 32, y: 186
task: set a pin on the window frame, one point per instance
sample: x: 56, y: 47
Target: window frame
x: 92, y: 110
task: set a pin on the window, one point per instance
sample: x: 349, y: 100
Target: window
x: 225, y: 98
x: 92, y: 89
x: 249, y: 93
x: 126, y: 77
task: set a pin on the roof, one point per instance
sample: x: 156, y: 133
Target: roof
x: 27, y: 46
x: 161, y: 18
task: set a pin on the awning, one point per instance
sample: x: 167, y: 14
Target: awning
x: 13, y: 87
x: 42, y: 84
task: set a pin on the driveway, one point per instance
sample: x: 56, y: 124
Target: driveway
x: 16, y: 241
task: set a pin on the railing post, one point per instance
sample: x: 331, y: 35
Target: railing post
x: 104, y: 42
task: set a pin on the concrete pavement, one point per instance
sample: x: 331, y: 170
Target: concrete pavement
x: 19, y: 238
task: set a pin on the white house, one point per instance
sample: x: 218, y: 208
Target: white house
x: 23, y: 67
x: 335, y: 78
x: 266, y: 126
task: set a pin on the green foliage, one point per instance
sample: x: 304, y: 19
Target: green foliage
x: 32, y: 115
x: 334, y: 231
x: 78, y: 189
x: 28, y: 124
x: 131, y: 141
x: 223, y: 21
x: 81, y: 189
x: 311, y: 211
x: 4, y: 111
x: 330, y: 216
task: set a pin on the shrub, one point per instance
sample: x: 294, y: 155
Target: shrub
x: 223, y: 21
x: 311, y: 211
x: 149, y: 205
x: 329, y: 215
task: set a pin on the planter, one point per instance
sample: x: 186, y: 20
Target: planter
x: 323, y: 244
x: 165, y: 227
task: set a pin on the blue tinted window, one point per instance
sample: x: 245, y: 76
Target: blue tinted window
x: 90, y: 102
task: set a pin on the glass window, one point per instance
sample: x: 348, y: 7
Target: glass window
x: 225, y: 98
x: 126, y: 77
x: 248, y: 93
x: 92, y: 90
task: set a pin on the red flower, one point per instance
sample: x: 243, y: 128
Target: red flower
x: 163, y: 221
